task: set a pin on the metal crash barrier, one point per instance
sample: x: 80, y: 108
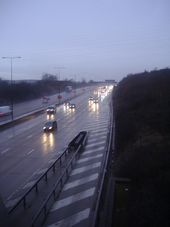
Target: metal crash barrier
x: 78, y: 140
x: 77, y: 144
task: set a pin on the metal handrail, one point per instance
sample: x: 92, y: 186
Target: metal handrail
x: 60, y: 183
x: 35, y: 185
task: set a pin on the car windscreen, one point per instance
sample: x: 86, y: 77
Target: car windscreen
x: 49, y: 124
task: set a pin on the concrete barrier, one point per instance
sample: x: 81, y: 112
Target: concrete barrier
x: 77, y: 141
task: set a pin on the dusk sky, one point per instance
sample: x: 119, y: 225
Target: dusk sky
x: 91, y: 39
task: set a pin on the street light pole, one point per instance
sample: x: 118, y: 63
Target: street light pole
x: 75, y: 85
x: 11, y: 58
x: 59, y: 68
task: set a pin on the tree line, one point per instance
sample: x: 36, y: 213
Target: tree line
x: 27, y: 90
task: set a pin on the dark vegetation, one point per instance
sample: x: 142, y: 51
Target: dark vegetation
x: 23, y: 91
x: 142, y: 111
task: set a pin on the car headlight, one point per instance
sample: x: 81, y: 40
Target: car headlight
x: 50, y: 127
x: 44, y: 127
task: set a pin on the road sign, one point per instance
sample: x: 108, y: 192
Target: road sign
x: 59, y: 97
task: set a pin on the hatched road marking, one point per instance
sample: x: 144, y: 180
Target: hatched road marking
x: 93, y: 150
x: 95, y: 144
x: 85, y: 168
x: 89, y: 158
x: 72, y: 199
x: 81, y: 181
x: 72, y: 220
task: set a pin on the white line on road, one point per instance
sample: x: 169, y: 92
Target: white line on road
x: 99, y: 130
x: 30, y: 136
x: 85, y: 168
x: 93, y: 150
x: 30, y: 152
x: 72, y: 199
x: 95, y: 144
x: 96, y: 126
x: 98, y: 133
x: 41, y: 171
x: 29, y: 184
x: 96, y: 139
x: 4, y: 151
x: 12, y: 202
x: 73, y: 220
x: 89, y: 158
x: 81, y: 181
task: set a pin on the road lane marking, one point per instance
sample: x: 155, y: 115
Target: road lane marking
x: 30, y: 136
x: 30, y: 152
x: 98, y: 133
x: 99, y: 130
x: 72, y: 199
x: 72, y: 220
x: 29, y: 184
x: 89, y: 158
x: 93, y: 150
x: 81, y: 181
x: 41, y: 171
x: 98, y: 123
x: 96, y: 139
x: 96, y: 126
x: 85, y: 168
x: 95, y: 144
x: 12, y: 202
x: 4, y: 151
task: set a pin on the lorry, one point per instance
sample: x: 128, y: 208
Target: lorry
x: 5, y: 110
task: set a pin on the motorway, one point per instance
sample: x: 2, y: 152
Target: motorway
x: 36, y: 104
x: 26, y: 152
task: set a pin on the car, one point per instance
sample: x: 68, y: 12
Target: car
x: 50, y: 126
x: 90, y: 99
x: 50, y: 116
x: 72, y: 106
x: 95, y: 101
x: 66, y: 104
x: 51, y: 109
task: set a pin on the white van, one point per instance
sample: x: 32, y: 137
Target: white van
x: 5, y: 110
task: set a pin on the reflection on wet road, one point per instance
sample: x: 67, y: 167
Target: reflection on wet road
x: 25, y: 148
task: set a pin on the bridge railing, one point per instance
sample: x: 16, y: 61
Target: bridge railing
x: 23, y: 200
x: 40, y: 216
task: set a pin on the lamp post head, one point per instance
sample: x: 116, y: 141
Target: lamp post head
x: 11, y: 57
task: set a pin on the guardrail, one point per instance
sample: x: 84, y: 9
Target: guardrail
x: 104, y: 172
x: 44, y: 209
x: 35, y: 186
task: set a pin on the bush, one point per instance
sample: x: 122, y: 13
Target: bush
x: 142, y: 110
